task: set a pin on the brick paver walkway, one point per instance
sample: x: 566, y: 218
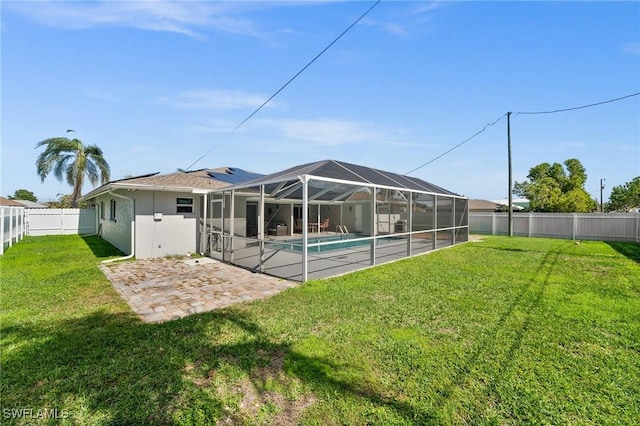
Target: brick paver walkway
x: 163, y: 289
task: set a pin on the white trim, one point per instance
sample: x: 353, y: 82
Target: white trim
x: 308, y: 177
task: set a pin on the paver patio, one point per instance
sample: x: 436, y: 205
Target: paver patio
x: 163, y: 289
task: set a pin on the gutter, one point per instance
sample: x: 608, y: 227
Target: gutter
x: 133, y: 229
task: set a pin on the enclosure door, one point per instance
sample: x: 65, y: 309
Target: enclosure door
x: 252, y: 219
x: 216, y: 233
x: 358, y: 218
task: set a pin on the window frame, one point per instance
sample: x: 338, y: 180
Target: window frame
x: 112, y: 210
x: 186, y: 206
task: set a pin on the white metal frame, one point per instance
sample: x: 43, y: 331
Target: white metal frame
x: 283, y: 190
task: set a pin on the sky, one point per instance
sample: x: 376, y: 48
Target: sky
x: 159, y: 84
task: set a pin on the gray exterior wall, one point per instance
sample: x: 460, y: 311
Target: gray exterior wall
x: 171, y: 233
x: 160, y: 229
x: 118, y: 231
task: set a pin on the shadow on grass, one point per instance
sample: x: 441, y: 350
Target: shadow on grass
x: 529, y: 299
x: 112, y: 369
x: 630, y: 250
x: 99, y: 247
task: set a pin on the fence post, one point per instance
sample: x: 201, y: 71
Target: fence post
x: 575, y: 226
x: 2, y: 229
x: 21, y: 226
x: 493, y: 224
x: 638, y: 227
x: 10, y: 226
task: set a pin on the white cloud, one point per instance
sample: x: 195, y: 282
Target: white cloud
x: 320, y: 132
x: 188, y: 17
x: 631, y: 49
x: 426, y: 7
x: 412, y: 19
x: 215, y: 99
x: 326, y: 134
x: 388, y: 27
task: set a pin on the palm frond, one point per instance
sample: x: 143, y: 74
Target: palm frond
x: 91, y: 171
x: 70, y: 159
x: 95, y: 154
x: 60, y: 166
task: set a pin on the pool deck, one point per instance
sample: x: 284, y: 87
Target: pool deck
x: 288, y: 263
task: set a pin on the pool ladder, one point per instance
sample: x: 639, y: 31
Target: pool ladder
x: 342, y: 230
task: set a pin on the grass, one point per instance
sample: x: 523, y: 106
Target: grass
x: 504, y: 331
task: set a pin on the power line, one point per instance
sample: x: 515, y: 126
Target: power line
x: 522, y: 113
x: 578, y: 107
x: 486, y: 126
x: 290, y: 80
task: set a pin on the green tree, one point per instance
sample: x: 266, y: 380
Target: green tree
x: 72, y: 160
x: 625, y: 197
x: 23, y: 194
x: 551, y: 188
x: 65, y: 201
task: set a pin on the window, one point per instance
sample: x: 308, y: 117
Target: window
x: 102, y: 216
x: 185, y: 205
x: 112, y: 210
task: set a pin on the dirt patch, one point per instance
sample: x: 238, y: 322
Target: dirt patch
x: 256, y: 402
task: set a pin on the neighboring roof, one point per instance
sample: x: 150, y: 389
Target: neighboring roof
x: 518, y: 202
x: 8, y: 202
x: 31, y: 204
x: 349, y: 173
x: 483, y: 205
x: 195, y: 181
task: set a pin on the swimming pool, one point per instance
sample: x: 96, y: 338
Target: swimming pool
x: 328, y: 243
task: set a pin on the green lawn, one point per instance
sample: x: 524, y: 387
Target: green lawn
x: 504, y: 331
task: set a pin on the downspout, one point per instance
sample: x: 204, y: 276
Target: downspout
x: 133, y: 229
x: 97, y: 222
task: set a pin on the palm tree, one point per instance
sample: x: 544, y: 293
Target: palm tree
x: 71, y: 159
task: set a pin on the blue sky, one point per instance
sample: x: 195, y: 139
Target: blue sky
x: 158, y: 84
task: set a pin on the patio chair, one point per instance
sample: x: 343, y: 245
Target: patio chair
x: 297, y: 227
x: 324, y: 225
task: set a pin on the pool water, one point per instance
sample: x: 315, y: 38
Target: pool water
x: 338, y: 242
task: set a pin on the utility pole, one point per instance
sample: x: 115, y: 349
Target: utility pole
x: 601, y: 188
x: 510, y: 175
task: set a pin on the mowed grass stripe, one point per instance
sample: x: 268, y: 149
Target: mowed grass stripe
x: 504, y: 331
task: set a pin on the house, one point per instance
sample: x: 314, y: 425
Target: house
x: 9, y: 203
x: 518, y: 204
x: 310, y: 221
x: 31, y: 204
x: 156, y: 215
x: 483, y: 206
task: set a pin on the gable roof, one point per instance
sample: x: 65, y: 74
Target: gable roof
x: 197, y: 181
x: 476, y: 204
x: 31, y: 204
x: 8, y: 202
x: 333, y: 169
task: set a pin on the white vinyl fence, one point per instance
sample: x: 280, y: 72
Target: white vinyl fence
x: 12, y: 226
x: 575, y: 226
x: 60, y: 221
